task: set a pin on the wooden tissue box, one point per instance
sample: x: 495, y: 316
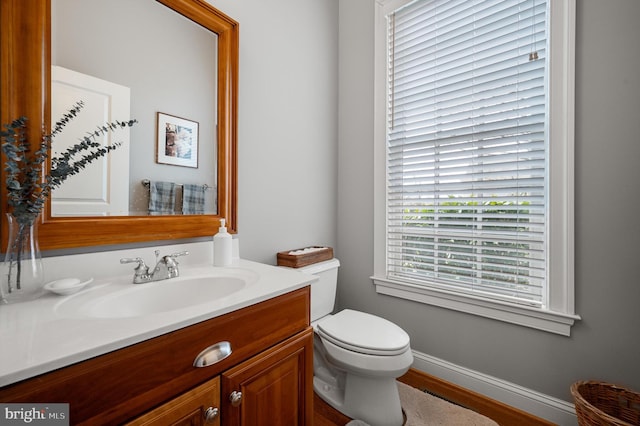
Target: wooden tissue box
x: 305, y: 256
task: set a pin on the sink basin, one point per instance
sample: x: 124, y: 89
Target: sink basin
x: 134, y: 300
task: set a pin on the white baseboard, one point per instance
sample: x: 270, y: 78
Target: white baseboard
x: 544, y: 406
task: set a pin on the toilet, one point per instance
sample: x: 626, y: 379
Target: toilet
x: 357, y: 356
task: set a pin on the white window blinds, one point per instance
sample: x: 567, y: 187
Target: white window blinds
x: 466, y: 147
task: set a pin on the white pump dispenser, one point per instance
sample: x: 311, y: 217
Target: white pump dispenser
x: 222, y: 242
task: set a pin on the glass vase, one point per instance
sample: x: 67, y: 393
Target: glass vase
x: 22, y: 274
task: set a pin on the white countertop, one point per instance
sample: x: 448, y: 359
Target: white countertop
x: 36, y: 338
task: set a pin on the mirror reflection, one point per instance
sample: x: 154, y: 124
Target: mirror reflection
x: 139, y: 60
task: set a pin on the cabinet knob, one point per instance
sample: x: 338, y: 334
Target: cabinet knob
x: 235, y: 398
x: 210, y: 414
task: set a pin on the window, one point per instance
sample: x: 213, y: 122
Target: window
x: 476, y: 161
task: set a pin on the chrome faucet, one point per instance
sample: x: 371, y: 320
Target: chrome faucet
x: 166, y: 267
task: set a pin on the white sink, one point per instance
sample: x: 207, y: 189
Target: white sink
x: 119, y: 300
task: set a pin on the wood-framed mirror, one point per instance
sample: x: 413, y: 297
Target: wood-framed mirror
x: 25, y: 90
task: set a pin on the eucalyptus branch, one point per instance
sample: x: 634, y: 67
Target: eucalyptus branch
x: 28, y: 184
x: 66, y: 118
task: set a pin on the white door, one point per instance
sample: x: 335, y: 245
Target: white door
x: 103, y: 187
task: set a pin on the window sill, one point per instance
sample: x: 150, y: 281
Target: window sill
x: 540, y: 319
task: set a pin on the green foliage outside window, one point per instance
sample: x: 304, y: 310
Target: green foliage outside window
x: 467, y: 258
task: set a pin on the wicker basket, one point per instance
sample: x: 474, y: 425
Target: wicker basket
x: 599, y: 403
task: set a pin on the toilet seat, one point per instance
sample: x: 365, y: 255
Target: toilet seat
x: 364, y: 333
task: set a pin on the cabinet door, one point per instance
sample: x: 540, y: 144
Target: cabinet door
x: 274, y: 388
x: 196, y: 407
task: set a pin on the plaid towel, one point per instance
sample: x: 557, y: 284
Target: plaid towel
x: 162, y: 198
x: 192, y: 199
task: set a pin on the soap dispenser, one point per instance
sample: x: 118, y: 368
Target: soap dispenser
x: 222, y: 242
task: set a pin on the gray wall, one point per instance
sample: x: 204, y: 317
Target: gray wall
x: 287, y: 127
x: 287, y: 137
x: 605, y: 345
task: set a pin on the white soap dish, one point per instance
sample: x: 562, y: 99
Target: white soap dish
x: 66, y: 286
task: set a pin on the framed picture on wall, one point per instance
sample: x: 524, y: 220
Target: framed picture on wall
x: 177, y: 141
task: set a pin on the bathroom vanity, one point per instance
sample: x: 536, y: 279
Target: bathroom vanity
x: 140, y: 370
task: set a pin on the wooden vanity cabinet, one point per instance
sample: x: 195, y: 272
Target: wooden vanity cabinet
x: 269, y: 389
x: 197, y: 407
x: 273, y: 388
x: 271, y: 363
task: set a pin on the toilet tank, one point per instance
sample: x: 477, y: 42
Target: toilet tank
x: 323, y: 291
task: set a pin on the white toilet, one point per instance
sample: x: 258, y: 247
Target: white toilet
x: 357, y: 356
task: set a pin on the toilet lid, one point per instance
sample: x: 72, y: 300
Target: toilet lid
x: 364, y: 333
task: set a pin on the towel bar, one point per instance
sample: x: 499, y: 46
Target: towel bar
x: 146, y: 183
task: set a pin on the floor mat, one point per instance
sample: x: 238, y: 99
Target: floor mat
x: 423, y: 409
